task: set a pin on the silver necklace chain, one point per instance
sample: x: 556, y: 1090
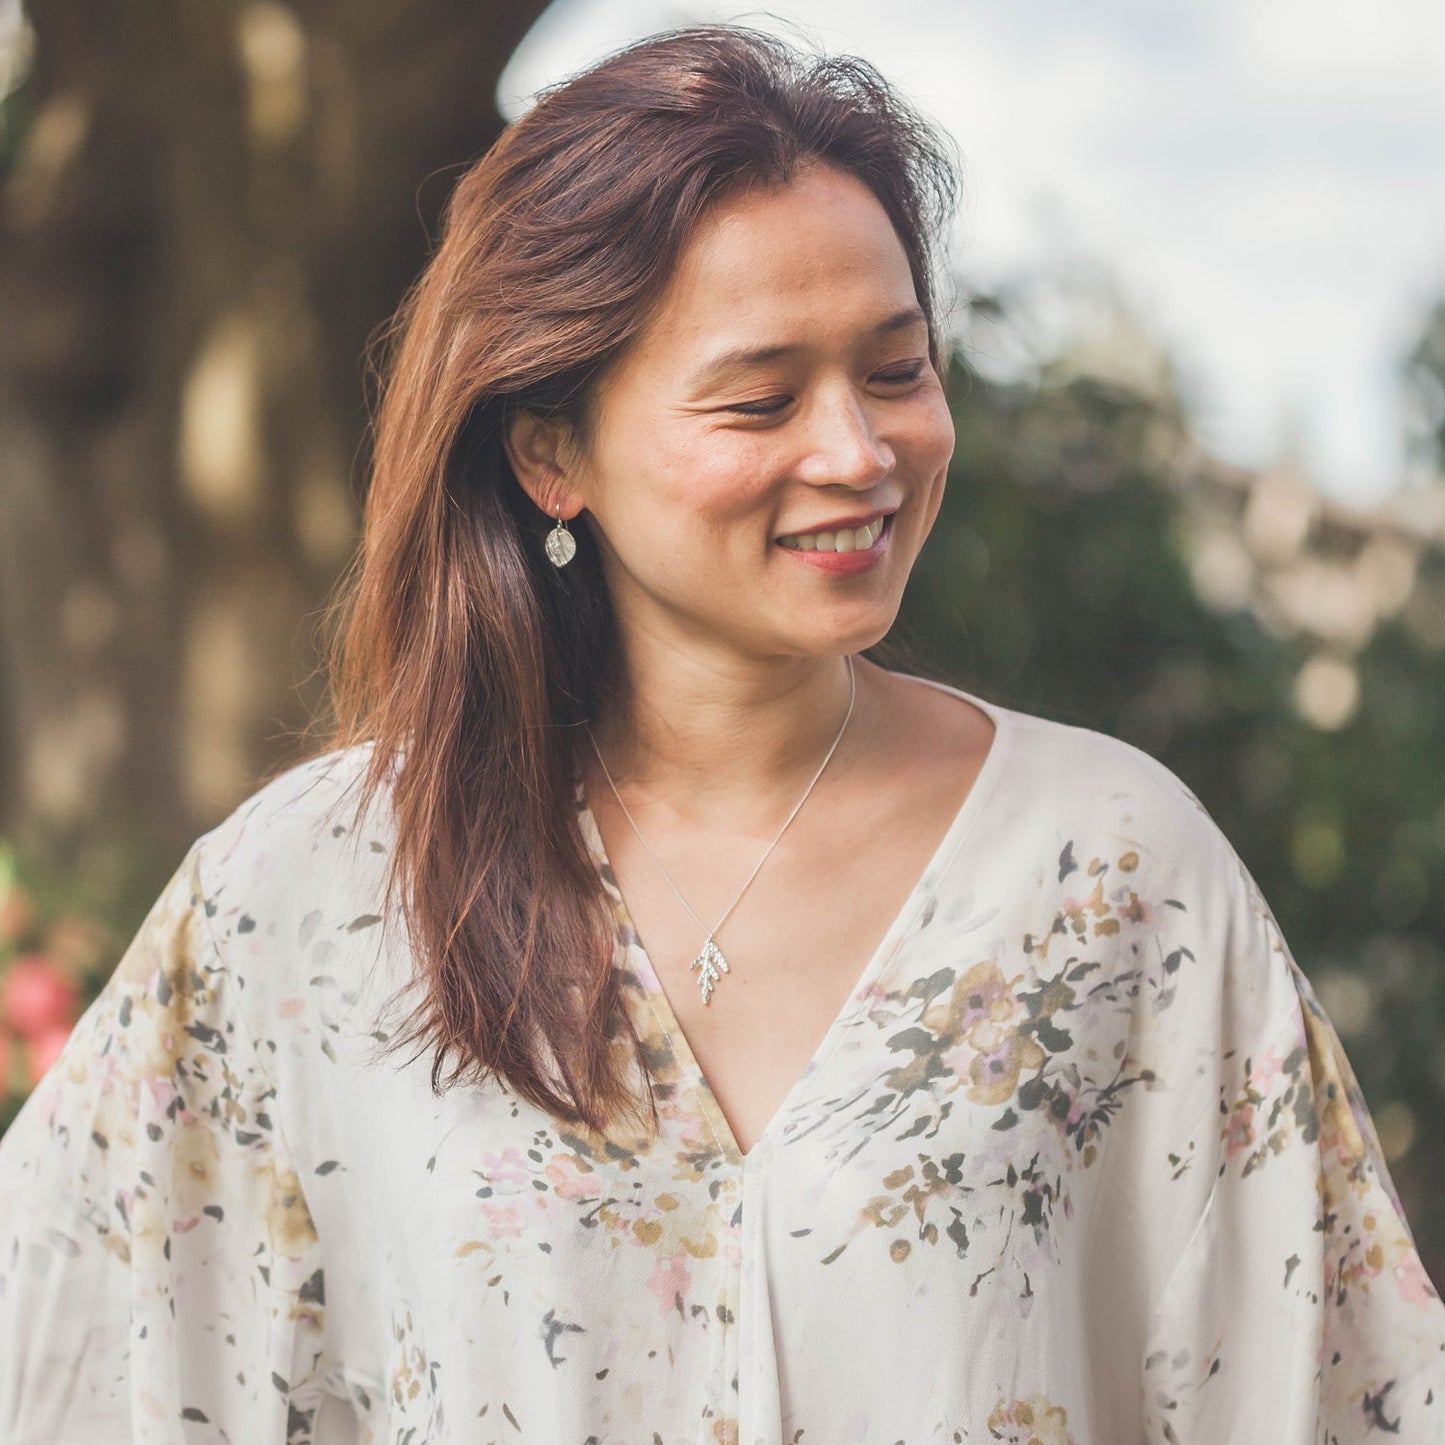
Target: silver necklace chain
x: 710, y: 960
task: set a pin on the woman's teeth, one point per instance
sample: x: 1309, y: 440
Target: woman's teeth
x: 858, y: 540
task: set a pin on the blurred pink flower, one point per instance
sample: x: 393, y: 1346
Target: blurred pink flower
x: 44, y: 1049
x: 35, y: 998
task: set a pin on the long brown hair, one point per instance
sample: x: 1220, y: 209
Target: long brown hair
x: 467, y: 662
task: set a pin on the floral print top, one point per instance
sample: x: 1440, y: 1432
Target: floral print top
x: 1079, y: 1160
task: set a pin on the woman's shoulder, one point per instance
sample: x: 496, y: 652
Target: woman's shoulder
x: 303, y: 797
x: 1057, y: 771
x: 1100, y: 764
x: 310, y: 830
x: 1143, y: 885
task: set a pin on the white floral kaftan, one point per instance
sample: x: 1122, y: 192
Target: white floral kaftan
x: 1079, y: 1162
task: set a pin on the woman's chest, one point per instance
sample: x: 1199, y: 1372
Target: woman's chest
x: 751, y: 1005
x: 959, y: 1099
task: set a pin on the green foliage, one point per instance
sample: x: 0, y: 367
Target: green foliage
x: 1425, y: 389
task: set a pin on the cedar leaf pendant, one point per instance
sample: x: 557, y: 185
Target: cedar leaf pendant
x: 713, y: 966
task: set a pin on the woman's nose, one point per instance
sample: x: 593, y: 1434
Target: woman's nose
x: 846, y: 446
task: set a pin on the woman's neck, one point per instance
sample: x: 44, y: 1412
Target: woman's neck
x: 728, y: 741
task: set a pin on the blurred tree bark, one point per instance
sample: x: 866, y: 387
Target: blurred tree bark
x: 209, y: 211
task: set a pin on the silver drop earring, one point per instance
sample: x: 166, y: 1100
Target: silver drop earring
x: 561, y: 544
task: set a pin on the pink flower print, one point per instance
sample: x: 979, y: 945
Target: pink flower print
x: 568, y: 1179
x: 508, y: 1167
x: 1413, y: 1283
x: 669, y: 1282
x: 959, y: 1059
x: 730, y: 1246
x: 1239, y: 1132
x: 162, y: 1093
x: 875, y: 996
x: 1131, y: 907
x: 984, y: 998
x: 1078, y: 1110
x: 980, y: 1001
x: 991, y: 1040
x: 1066, y: 1121
x: 503, y: 1219
x: 995, y: 1075
x: 1266, y: 1070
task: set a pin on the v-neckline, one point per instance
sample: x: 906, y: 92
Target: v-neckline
x: 923, y: 889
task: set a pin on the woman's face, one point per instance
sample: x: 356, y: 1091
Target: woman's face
x: 712, y: 473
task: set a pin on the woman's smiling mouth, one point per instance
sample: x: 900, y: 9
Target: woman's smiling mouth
x: 837, y: 539
x: 846, y: 550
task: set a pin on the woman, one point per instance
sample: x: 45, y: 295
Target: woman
x: 835, y: 1055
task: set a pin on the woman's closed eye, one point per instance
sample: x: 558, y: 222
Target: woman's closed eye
x: 772, y: 405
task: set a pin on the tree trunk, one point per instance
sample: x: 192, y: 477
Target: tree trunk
x: 210, y: 210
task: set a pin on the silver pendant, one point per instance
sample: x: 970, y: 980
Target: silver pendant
x: 561, y: 545
x: 713, y: 966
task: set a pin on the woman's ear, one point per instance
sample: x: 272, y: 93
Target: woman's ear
x: 537, y: 448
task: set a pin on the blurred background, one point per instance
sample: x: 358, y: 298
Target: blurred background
x: 1197, y: 502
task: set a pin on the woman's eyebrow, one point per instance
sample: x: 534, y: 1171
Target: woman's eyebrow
x: 740, y: 356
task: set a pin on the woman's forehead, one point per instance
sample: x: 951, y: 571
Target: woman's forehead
x: 817, y: 254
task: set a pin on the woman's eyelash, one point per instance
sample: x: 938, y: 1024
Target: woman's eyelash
x: 772, y: 405
x: 907, y: 373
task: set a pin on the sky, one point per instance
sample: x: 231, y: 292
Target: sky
x: 1261, y: 181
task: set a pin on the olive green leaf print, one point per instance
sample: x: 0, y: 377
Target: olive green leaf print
x: 998, y: 1036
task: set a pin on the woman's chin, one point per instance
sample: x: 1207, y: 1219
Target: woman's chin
x: 850, y: 637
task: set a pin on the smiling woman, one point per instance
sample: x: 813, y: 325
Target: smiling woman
x: 837, y: 1054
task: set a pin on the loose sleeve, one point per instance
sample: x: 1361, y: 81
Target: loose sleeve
x: 1299, y: 1311
x: 160, y: 1276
